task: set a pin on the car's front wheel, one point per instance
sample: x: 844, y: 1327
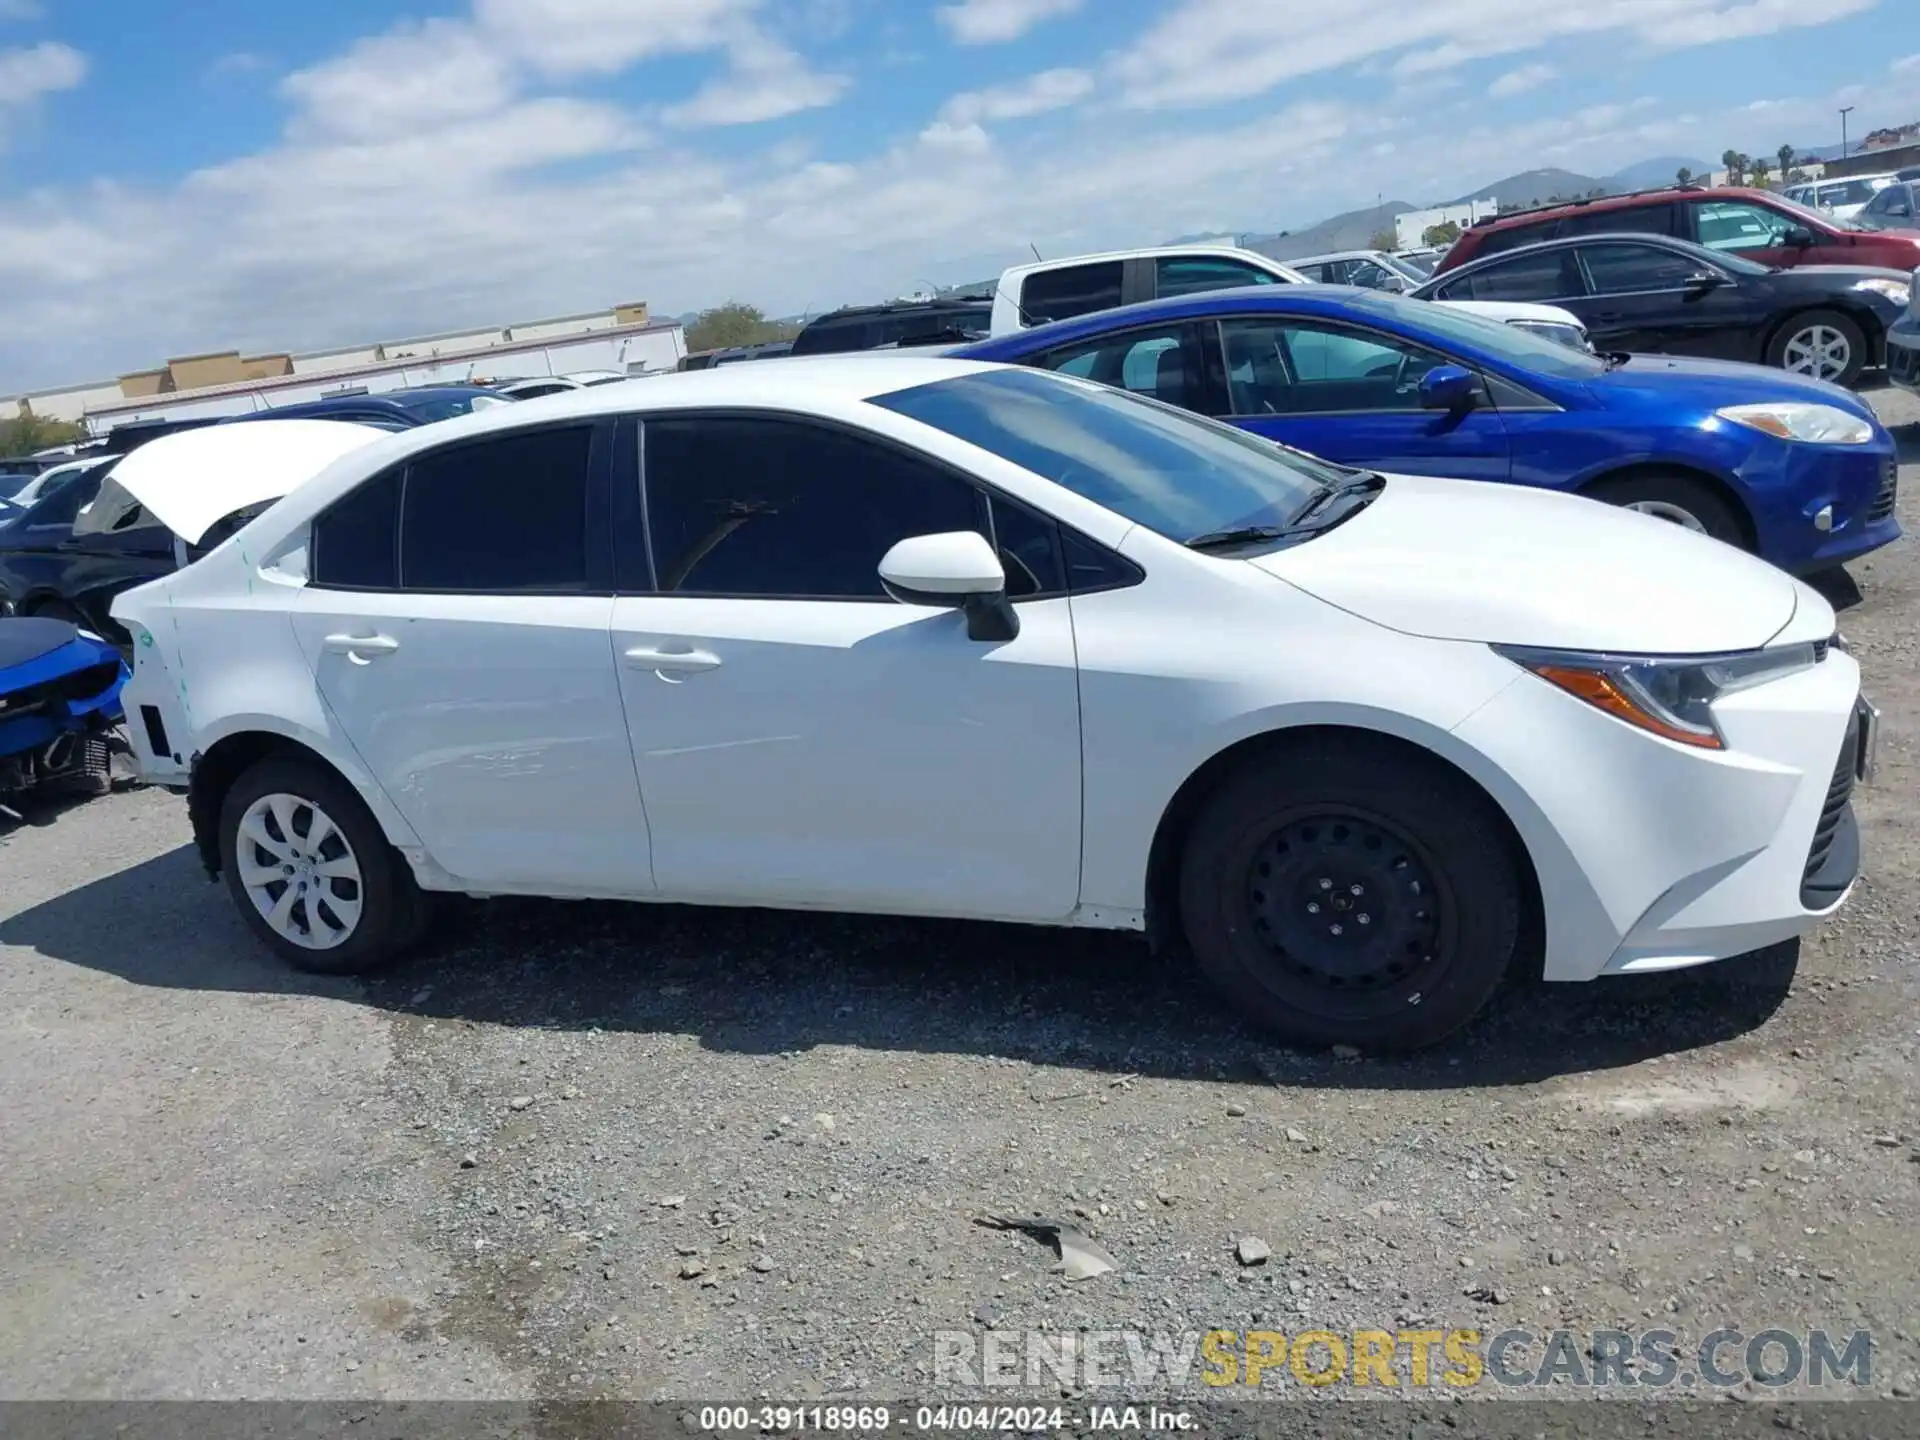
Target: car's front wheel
x: 1678, y: 499
x: 1822, y: 343
x: 1346, y: 891
x: 311, y: 871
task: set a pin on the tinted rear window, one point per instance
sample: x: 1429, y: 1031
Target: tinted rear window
x: 1069, y: 291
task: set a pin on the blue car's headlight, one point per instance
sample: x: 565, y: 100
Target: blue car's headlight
x: 1801, y: 420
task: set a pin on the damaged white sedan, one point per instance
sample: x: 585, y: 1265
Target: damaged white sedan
x: 934, y: 637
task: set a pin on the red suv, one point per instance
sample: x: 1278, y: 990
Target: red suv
x: 1756, y: 224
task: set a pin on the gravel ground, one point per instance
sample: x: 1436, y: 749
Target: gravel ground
x: 592, y: 1150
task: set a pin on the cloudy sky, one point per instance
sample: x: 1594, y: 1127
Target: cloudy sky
x: 286, y: 176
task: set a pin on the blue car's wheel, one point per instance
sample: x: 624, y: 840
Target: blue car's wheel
x: 1679, y: 500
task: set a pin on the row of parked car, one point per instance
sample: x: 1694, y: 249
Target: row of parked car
x: 1146, y: 596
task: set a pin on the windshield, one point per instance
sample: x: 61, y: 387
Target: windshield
x: 1818, y: 219
x: 1175, y: 473
x: 1516, y: 346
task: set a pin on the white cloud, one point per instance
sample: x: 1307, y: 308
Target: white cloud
x: 413, y: 77
x: 30, y: 74
x: 766, y: 81
x: 1208, y: 51
x: 1905, y: 63
x: 1035, y: 95
x: 603, y: 37
x: 1518, y: 82
x: 991, y: 22
x: 505, y: 201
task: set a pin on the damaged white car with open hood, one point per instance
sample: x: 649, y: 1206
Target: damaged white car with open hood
x: 930, y: 637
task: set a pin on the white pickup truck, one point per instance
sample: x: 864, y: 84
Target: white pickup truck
x: 1078, y: 285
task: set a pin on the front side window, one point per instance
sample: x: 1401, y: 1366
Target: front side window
x: 505, y: 515
x: 1174, y: 472
x: 1736, y: 225
x: 752, y: 506
x: 1508, y: 343
x: 1192, y: 274
x: 1308, y: 367
x: 1071, y: 290
x: 1161, y: 362
x: 1539, y: 278
x: 1634, y: 269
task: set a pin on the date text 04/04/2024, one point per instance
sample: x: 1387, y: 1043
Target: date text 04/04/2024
x: 963, y: 1419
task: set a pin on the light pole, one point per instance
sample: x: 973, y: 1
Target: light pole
x: 1845, y: 111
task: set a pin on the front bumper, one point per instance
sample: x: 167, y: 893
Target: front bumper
x: 1903, y: 352
x: 1835, y: 503
x: 1656, y: 856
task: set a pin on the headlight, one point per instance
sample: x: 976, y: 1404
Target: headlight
x: 1672, y: 698
x: 1895, y: 291
x: 1793, y: 420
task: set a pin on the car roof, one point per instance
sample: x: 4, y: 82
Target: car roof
x: 1236, y: 252
x: 1336, y: 255
x: 1566, y: 242
x: 1622, y: 201
x: 1304, y: 299
x: 888, y: 307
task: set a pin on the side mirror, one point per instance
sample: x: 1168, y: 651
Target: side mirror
x: 1702, y: 281
x: 1798, y: 238
x: 1446, y: 387
x: 957, y: 571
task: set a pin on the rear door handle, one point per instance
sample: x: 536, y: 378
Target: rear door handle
x: 688, y: 662
x: 361, y: 648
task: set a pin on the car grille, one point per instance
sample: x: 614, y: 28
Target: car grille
x: 1889, y: 493
x: 1903, y: 364
x: 73, y: 688
x: 1834, y: 807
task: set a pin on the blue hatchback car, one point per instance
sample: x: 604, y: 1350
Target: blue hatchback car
x: 1794, y: 469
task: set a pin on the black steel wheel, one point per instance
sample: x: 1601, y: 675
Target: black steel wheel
x: 1350, y: 891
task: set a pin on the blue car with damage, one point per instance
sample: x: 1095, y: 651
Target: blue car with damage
x: 1794, y: 469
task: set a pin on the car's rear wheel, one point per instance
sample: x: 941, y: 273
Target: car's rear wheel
x: 311, y: 871
x: 1348, y: 892
x: 1678, y: 499
x: 1822, y: 343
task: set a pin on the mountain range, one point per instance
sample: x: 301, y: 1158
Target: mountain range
x: 1354, y: 229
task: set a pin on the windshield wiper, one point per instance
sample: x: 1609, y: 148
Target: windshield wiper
x: 1240, y: 535
x: 1363, y: 483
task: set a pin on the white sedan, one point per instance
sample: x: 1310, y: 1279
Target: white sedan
x: 931, y: 637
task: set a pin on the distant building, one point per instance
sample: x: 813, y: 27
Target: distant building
x: 1410, y: 229
x: 226, y: 382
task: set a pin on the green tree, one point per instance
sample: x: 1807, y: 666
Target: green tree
x: 1445, y: 233
x: 1761, y: 170
x: 1684, y: 175
x: 1785, y: 156
x: 732, y: 324
x: 1384, y: 240
x: 1736, y: 165
x: 28, y: 433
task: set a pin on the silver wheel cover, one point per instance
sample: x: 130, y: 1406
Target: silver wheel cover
x: 299, y: 870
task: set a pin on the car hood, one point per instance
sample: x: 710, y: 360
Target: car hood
x: 1714, y: 383
x: 1504, y: 564
x: 1509, y: 311
x: 191, y: 480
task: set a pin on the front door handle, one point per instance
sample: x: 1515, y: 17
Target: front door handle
x: 665, y: 662
x: 361, y: 649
